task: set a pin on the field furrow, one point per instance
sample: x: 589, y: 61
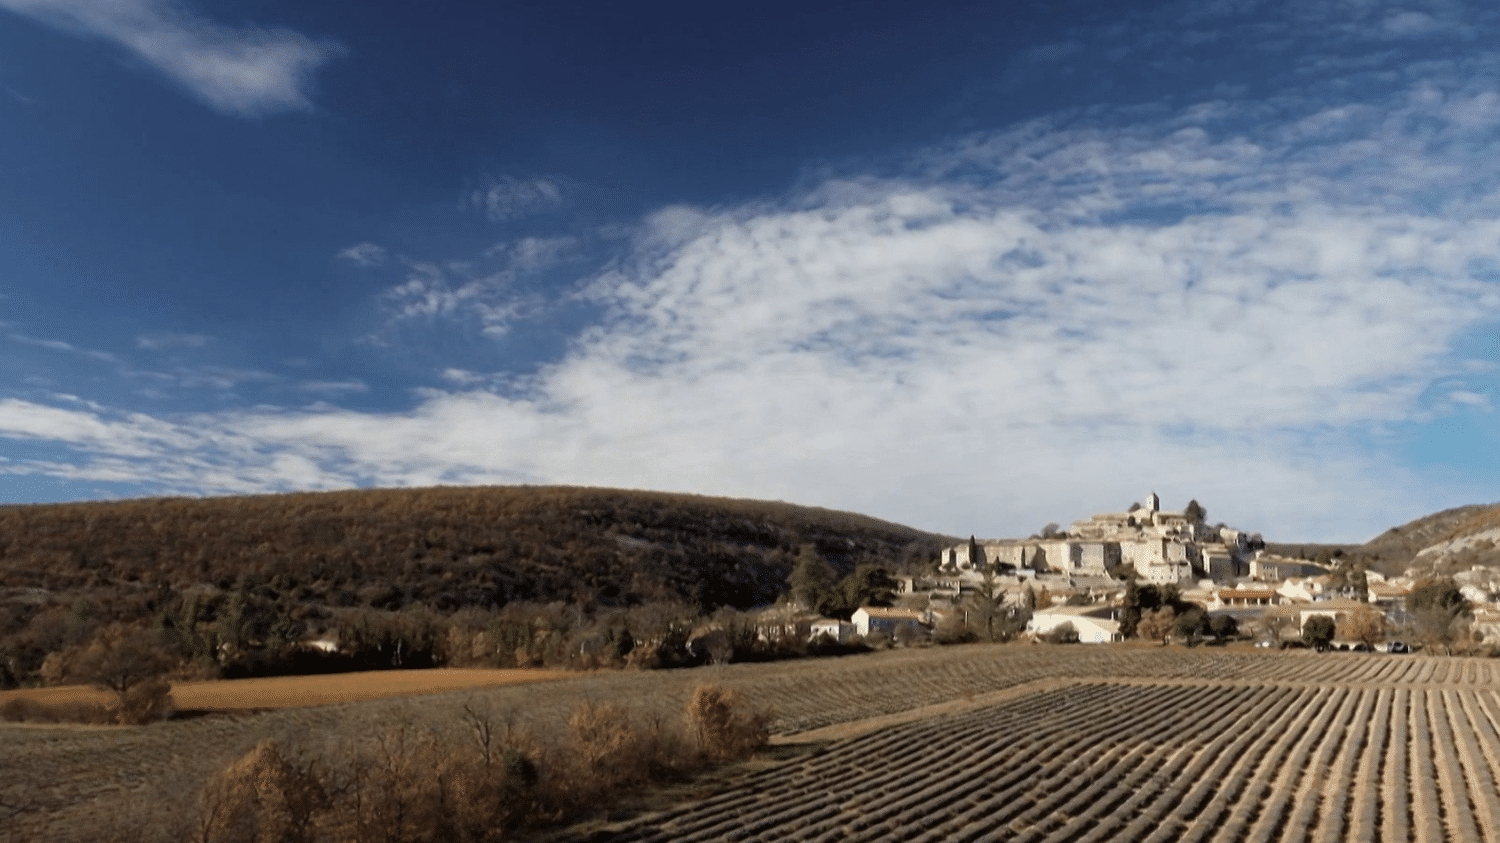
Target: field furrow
x: 1016, y: 743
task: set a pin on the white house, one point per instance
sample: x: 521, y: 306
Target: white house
x: 869, y: 619
x: 1092, y: 622
x: 840, y: 631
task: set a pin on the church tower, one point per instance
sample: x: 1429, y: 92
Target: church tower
x: 1153, y: 503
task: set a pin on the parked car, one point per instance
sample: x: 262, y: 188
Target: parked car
x: 1398, y: 647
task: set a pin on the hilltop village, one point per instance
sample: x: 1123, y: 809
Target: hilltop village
x: 1078, y: 578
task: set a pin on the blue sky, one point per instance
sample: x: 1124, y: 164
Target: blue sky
x: 969, y: 267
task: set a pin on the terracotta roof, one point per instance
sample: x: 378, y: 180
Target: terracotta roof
x: 1227, y: 593
x: 886, y: 612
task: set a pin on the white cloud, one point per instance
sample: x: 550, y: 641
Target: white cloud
x: 334, y: 386
x: 364, y: 254
x: 537, y: 252
x: 1027, y: 326
x: 244, y: 72
x: 164, y: 340
x: 1471, y: 399
x: 508, y: 197
x: 64, y: 347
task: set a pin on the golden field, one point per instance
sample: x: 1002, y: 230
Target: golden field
x: 291, y: 691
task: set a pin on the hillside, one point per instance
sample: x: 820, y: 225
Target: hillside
x: 445, y: 547
x: 1441, y: 539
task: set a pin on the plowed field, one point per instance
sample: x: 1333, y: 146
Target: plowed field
x: 970, y: 743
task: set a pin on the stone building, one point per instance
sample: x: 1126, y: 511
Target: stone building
x: 1162, y: 546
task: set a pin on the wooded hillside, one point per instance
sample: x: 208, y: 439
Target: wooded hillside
x: 445, y: 547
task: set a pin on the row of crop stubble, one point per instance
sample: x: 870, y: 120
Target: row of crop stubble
x: 75, y: 778
x: 1097, y: 762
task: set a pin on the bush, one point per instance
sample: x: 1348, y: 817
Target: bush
x: 405, y: 784
x: 723, y: 732
x: 144, y: 702
x: 605, y: 746
x: 1063, y: 633
x: 1318, y: 631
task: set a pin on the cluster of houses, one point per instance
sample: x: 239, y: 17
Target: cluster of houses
x: 1078, y: 578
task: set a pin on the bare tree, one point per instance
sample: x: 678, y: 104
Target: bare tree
x: 1157, y: 625
x: 1366, y: 627
x: 130, y: 663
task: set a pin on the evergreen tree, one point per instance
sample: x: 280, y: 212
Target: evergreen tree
x: 812, y: 579
x: 869, y: 585
x: 1195, y: 512
x: 1130, y: 612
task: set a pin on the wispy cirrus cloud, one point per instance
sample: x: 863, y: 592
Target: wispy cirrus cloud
x: 508, y: 197
x: 242, y: 72
x: 64, y: 347
x: 365, y: 254
x: 167, y: 340
x: 486, y: 292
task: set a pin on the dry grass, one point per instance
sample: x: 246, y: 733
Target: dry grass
x: 293, y: 691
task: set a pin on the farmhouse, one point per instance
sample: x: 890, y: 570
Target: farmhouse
x: 879, y: 619
x: 1335, y: 609
x: 785, y: 623
x: 1094, y: 624
x: 840, y: 631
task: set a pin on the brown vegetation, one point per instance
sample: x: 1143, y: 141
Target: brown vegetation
x: 239, y: 583
x: 410, y: 784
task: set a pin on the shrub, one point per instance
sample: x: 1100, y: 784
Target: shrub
x: 1063, y: 633
x: 144, y: 702
x: 1318, y: 631
x: 261, y: 796
x: 604, y: 745
x: 723, y: 732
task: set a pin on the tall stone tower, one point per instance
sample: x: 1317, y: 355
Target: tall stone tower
x: 1153, y: 503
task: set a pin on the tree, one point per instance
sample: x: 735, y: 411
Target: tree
x: 1141, y: 598
x: 1223, y: 626
x: 1190, y: 624
x: 1318, y: 632
x: 1347, y: 576
x: 1195, y: 512
x: 1156, y: 625
x: 1130, y: 611
x: 812, y: 579
x: 1438, y: 608
x: 1273, y: 627
x: 1366, y: 627
x: 983, y: 607
x: 869, y: 585
x: 976, y: 556
x: 1053, y: 531
x: 131, y: 664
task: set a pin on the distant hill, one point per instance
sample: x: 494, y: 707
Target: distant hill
x: 445, y: 547
x: 1451, y: 540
